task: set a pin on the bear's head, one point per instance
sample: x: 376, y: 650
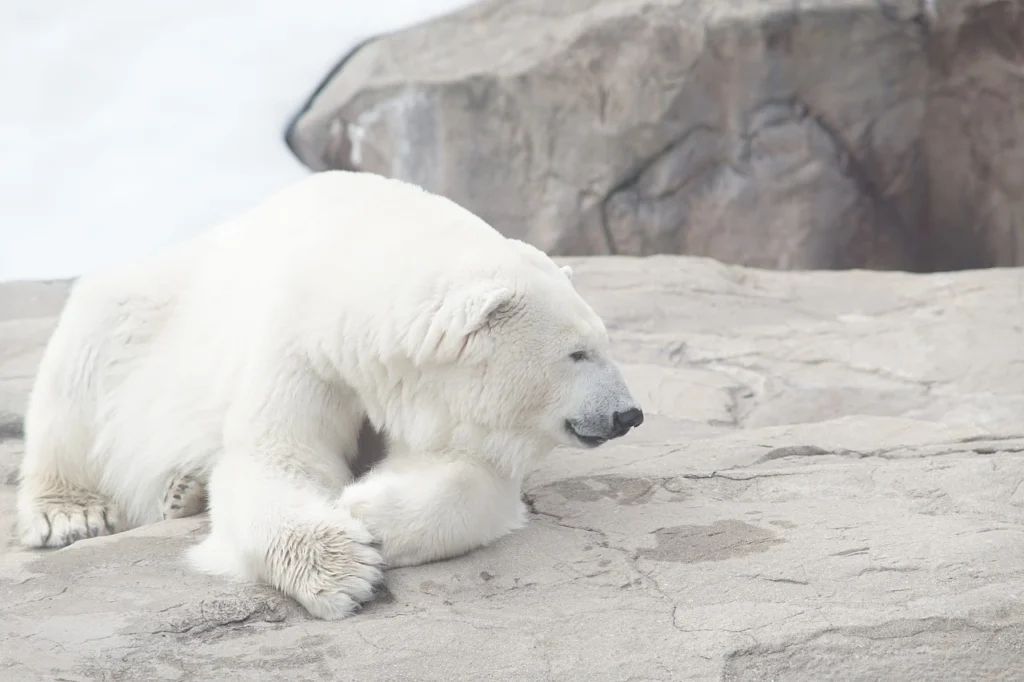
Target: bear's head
x: 518, y: 351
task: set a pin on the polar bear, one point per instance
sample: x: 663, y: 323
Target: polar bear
x: 244, y: 361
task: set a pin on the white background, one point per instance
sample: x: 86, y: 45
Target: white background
x: 128, y: 124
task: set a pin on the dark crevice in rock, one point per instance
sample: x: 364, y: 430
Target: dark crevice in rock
x: 886, y: 213
x: 664, y: 177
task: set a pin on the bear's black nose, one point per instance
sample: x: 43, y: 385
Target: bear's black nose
x: 631, y: 418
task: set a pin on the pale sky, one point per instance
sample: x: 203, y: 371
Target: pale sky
x: 127, y: 125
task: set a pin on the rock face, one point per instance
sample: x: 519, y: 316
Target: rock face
x: 828, y: 486
x: 861, y: 133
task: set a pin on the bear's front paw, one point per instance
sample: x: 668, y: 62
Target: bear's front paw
x: 330, y: 569
x: 59, y: 518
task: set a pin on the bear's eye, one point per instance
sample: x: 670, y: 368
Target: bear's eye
x: 578, y: 356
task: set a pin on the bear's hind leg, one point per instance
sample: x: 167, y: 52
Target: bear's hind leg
x: 55, y: 514
x: 56, y: 504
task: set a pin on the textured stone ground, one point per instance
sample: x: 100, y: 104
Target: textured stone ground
x: 828, y: 486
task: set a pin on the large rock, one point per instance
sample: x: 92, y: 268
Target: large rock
x: 863, y: 133
x: 828, y: 487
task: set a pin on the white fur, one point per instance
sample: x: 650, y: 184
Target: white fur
x: 244, y: 361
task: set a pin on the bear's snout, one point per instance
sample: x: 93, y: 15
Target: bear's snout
x: 626, y: 420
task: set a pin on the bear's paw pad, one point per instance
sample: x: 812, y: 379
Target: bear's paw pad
x: 185, y: 496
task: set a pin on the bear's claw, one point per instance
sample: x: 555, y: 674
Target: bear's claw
x: 58, y: 520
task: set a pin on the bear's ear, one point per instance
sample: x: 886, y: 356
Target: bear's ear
x: 462, y: 313
x: 568, y: 271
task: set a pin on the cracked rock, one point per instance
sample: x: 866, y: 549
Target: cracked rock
x: 829, y: 484
x: 768, y: 133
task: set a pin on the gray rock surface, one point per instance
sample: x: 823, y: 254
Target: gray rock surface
x: 828, y: 487
x: 771, y: 133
